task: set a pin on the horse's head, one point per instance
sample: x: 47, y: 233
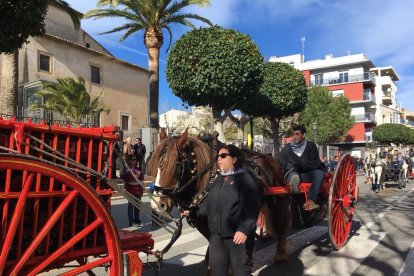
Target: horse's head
x: 174, y: 163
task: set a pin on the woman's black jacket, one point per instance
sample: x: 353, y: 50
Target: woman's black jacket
x: 232, y: 205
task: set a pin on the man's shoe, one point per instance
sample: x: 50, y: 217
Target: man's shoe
x: 294, y: 183
x: 310, y: 205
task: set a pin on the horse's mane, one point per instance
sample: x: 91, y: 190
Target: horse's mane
x: 168, y: 150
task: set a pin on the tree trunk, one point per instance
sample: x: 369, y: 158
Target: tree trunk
x: 275, y: 134
x: 218, y: 124
x: 153, y: 66
x: 9, y: 84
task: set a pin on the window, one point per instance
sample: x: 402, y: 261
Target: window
x: 318, y: 79
x: 337, y: 93
x: 343, y: 76
x: 44, y: 63
x: 124, y: 122
x: 95, y: 75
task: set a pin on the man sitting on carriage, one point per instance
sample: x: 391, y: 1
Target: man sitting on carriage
x: 302, y: 163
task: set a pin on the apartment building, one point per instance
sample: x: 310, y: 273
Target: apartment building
x: 371, y: 91
x: 65, y: 51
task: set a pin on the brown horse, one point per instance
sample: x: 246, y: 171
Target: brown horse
x: 177, y: 161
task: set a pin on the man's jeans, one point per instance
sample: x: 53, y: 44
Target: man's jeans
x: 315, y: 176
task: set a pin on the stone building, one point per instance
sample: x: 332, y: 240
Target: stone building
x: 65, y: 51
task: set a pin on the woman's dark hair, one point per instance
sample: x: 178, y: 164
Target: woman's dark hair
x: 235, y: 152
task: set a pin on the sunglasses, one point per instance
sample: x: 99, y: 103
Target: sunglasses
x: 223, y: 155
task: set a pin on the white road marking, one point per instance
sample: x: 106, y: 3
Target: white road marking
x: 345, y: 261
x: 408, y: 267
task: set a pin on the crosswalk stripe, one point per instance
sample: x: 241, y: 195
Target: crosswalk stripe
x: 194, y: 256
x: 408, y: 267
x: 345, y: 261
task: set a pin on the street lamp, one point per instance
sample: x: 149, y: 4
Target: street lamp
x: 315, y: 132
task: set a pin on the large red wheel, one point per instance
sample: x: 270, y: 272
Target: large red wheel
x: 343, y: 197
x: 51, y: 217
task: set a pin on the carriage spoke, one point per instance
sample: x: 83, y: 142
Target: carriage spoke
x: 66, y: 246
x: 88, y: 266
x: 16, y: 218
x: 45, y: 230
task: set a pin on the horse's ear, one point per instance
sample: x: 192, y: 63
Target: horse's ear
x: 163, y: 134
x: 182, y: 139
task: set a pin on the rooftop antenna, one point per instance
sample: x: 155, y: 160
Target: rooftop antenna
x: 302, y: 40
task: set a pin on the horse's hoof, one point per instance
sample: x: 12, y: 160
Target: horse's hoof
x: 377, y: 191
x: 280, y: 258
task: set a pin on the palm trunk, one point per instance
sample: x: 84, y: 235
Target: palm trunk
x: 153, y: 64
x: 9, y: 84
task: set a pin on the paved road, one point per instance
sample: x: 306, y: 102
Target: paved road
x: 381, y: 243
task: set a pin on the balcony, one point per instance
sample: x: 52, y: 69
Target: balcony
x: 368, y: 96
x: 386, y: 98
x: 365, y: 77
x: 364, y: 118
x: 406, y: 122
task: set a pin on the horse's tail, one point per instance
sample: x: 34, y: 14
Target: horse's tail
x: 269, y: 221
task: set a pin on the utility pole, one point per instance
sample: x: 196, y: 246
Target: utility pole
x: 302, y: 58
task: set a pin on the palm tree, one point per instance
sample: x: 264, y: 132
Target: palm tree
x: 10, y: 70
x: 151, y: 16
x: 71, y: 99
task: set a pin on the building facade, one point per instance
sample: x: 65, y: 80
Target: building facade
x: 65, y: 51
x: 371, y: 91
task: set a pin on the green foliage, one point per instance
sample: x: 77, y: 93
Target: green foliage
x: 282, y: 93
x: 214, y: 66
x: 20, y: 19
x: 148, y: 14
x: 70, y: 98
x: 392, y: 133
x: 262, y: 126
x: 332, y: 115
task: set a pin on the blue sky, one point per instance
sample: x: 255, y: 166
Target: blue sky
x: 381, y: 29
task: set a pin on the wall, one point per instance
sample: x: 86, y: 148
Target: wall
x: 124, y: 87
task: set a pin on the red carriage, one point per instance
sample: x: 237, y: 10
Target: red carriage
x: 54, y: 213
x: 341, y: 193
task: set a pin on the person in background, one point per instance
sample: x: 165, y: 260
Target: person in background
x: 133, y: 179
x: 140, y: 151
x: 115, y: 153
x: 127, y: 150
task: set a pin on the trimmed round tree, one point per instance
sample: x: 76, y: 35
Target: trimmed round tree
x: 392, y: 133
x: 217, y: 67
x: 282, y: 93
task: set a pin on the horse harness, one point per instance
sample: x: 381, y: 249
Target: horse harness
x: 186, y: 163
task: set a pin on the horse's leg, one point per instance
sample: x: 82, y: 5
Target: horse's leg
x: 282, y: 219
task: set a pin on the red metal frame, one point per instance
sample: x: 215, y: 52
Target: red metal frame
x: 49, y: 216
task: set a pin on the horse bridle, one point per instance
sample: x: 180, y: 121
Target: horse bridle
x: 186, y: 162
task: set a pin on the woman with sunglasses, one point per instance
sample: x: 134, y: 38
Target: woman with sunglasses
x: 232, y: 207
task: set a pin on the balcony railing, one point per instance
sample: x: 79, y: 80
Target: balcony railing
x: 366, y: 76
x: 406, y: 122
x: 366, y: 117
x: 368, y: 96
